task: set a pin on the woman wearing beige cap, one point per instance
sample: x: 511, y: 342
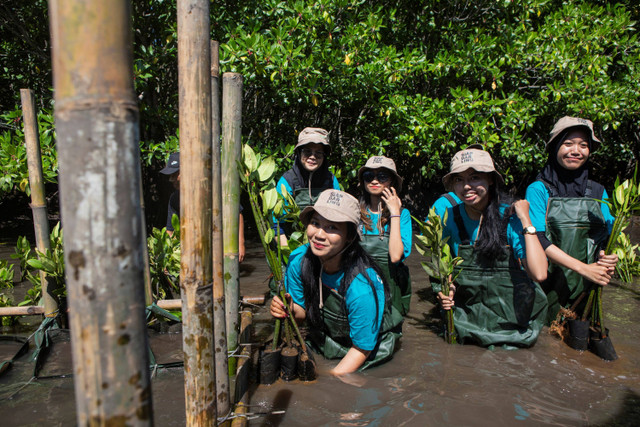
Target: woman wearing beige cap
x: 495, y: 300
x: 335, y: 286
x: 386, y: 226
x: 310, y: 173
x: 571, y: 224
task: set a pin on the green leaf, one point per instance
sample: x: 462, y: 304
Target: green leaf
x: 267, y: 169
x: 250, y: 159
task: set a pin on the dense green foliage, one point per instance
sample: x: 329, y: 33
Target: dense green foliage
x: 415, y: 80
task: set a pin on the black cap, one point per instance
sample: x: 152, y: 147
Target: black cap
x: 173, y: 165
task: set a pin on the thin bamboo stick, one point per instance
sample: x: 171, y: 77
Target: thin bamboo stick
x: 219, y: 310
x: 231, y: 153
x: 98, y: 153
x: 244, y: 369
x: 36, y: 184
x: 196, y: 281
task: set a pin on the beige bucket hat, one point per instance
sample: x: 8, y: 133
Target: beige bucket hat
x: 470, y: 158
x: 377, y: 162
x: 334, y: 205
x: 572, y: 122
x: 313, y: 135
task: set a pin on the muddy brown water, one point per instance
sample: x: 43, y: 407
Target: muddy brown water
x: 427, y: 383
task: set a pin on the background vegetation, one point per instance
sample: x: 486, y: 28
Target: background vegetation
x: 415, y: 80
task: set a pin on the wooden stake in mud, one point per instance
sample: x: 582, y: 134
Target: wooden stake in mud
x: 231, y: 153
x: 38, y: 200
x: 222, y: 365
x: 194, y: 85
x: 97, y: 128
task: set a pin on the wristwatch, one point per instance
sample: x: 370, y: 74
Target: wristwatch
x: 529, y: 230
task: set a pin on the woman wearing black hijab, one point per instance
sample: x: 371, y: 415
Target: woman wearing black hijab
x: 571, y: 224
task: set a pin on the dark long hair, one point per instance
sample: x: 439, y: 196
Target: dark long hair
x: 492, y: 237
x: 355, y: 260
x: 365, y: 203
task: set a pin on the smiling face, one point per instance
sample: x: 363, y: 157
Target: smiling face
x: 326, y: 238
x: 473, y: 188
x: 573, y: 152
x: 376, y: 180
x: 312, y: 156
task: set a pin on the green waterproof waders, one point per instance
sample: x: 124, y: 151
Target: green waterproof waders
x: 333, y: 340
x: 498, y: 304
x: 397, y: 275
x: 575, y: 225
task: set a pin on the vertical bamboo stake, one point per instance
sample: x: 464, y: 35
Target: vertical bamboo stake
x: 231, y: 153
x: 36, y: 183
x: 97, y: 136
x: 148, y: 292
x: 222, y: 365
x: 194, y: 84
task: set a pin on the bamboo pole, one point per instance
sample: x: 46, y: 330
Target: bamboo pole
x: 148, y: 292
x: 38, y: 200
x: 219, y: 315
x: 98, y: 153
x: 244, y: 371
x: 194, y: 84
x: 231, y: 153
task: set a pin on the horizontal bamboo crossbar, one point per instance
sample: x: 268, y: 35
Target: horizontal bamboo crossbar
x: 168, y: 304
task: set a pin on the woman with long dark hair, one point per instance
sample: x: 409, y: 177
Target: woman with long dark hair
x: 572, y: 225
x: 335, y: 286
x: 386, y: 226
x: 495, y: 298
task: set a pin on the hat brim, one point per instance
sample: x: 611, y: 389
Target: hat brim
x: 169, y: 170
x: 329, y: 214
x: 446, y: 180
x: 595, y: 142
x: 399, y: 179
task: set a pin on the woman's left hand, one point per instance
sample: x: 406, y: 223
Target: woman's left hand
x: 393, y: 202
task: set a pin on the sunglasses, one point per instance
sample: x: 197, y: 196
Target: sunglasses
x: 317, y: 154
x: 381, y: 176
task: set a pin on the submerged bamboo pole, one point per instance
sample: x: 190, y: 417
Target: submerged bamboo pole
x: 97, y: 138
x: 219, y: 322
x: 194, y: 86
x: 231, y: 153
x: 244, y: 370
x: 36, y: 184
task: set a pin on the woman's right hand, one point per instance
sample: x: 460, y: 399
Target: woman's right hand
x: 277, y: 308
x: 596, y: 273
x: 446, y: 301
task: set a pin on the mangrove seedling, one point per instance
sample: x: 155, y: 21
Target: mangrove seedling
x: 441, y: 263
x: 257, y: 176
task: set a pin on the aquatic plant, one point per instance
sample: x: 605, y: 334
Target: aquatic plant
x: 164, y: 260
x: 623, y: 203
x: 51, y: 262
x: 441, y: 262
x: 6, y: 274
x: 628, y: 260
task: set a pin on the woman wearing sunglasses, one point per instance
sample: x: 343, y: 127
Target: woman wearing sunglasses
x: 494, y: 296
x: 386, y: 226
x: 335, y: 286
x: 310, y: 173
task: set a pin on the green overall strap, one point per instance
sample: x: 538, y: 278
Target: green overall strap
x: 397, y: 275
